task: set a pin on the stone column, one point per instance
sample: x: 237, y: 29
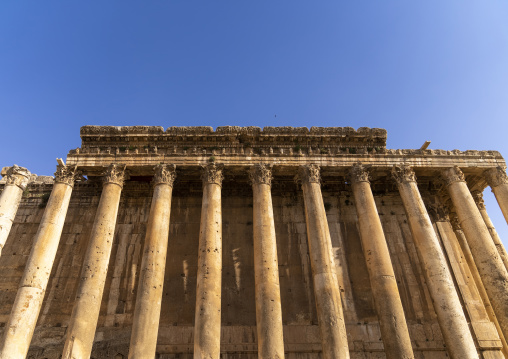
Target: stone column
x: 17, y: 180
x: 392, y: 321
x: 478, y: 198
x: 145, y: 324
x: 498, y: 181
x: 25, y: 311
x: 209, y: 276
x: 326, y: 285
x: 451, y: 318
x: 266, y: 269
x: 486, y: 257
x: 83, y: 322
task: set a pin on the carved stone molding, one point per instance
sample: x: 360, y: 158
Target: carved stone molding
x: 359, y: 173
x: 18, y: 176
x: 308, y: 174
x: 403, y: 174
x: 478, y: 198
x: 212, y: 173
x: 453, y: 174
x: 165, y: 174
x: 496, y: 176
x: 115, y: 173
x: 261, y: 173
x: 67, y: 174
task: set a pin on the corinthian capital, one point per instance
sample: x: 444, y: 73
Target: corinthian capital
x: 164, y: 174
x: 308, y: 174
x: 403, y: 174
x: 453, y: 174
x: 67, y: 174
x: 478, y: 198
x: 496, y: 176
x: 261, y: 173
x: 212, y: 173
x: 358, y: 173
x: 115, y: 173
x: 18, y: 176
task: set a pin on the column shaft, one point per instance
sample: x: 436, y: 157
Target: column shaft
x: 209, y: 277
x: 85, y: 313
x: 25, y: 311
x: 485, y: 254
x: 268, y: 305
x: 478, y: 197
x: 498, y: 181
x: 451, y: 318
x: 17, y: 180
x: 326, y: 286
x: 394, y: 331
x: 149, y: 294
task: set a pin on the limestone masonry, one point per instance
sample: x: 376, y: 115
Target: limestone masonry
x: 249, y: 243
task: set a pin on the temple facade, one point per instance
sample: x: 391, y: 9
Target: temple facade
x: 249, y: 243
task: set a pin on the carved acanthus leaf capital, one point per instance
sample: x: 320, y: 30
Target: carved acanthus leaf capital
x: 308, y: 174
x: 359, y: 173
x: 164, y: 174
x: 403, y: 174
x: 67, y: 174
x: 438, y: 213
x: 261, y: 173
x: 453, y: 174
x: 18, y: 176
x: 455, y: 222
x: 496, y: 176
x: 212, y: 173
x: 478, y: 198
x: 115, y: 173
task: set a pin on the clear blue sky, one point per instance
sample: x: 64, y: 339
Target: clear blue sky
x: 424, y: 70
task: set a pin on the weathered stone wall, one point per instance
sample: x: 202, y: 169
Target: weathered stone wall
x: 238, y: 334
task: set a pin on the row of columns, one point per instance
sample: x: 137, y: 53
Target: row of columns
x: 394, y: 331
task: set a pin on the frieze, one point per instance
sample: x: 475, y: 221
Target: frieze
x: 261, y: 173
x: 18, y: 176
x: 164, y: 174
x: 403, y: 174
x: 496, y: 176
x: 359, y: 173
x: 212, y: 173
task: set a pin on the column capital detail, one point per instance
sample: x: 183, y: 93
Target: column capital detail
x: 438, y: 212
x: 455, y: 222
x: 359, y: 173
x: 115, y: 173
x: 496, y: 176
x: 261, y: 173
x: 478, y: 198
x: 453, y: 174
x: 164, y: 174
x: 67, y: 174
x: 308, y: 174
x: 18, y: 176
x: 403, y: 174
x: 212, y: 173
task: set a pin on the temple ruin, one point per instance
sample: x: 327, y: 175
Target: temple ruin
x: 243, y: 242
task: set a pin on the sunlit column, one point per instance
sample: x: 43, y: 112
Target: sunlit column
x: 326, y: 286
x: 145, y: 326
x: 450, y: 315
x: 498, y: 181
x: 83, y: 322
x: 17, y: 180
x: 268, y: 305
x: 27, y: 305
x: 209, y: 277
x: 485, y: 254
